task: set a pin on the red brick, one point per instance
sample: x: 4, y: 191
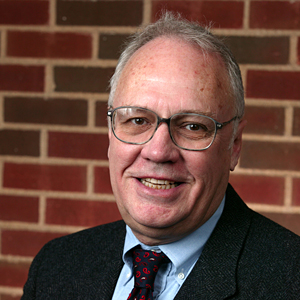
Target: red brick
x: 101, y: 113
x: 19, y: 142
x: 45, y: 111
x: 102, y: 180
x: 19, y: 208
x: 259, y: 189
x: 100, y: 13
x: 13, y: 274
x: 29, y: 12
x: 50, y: 45
x: 270, y: 155
x: 45, y: 177
x: 22, y: 78
x: 264, y: 120
x: 78, y: 145
x: 80, y: 212
x: 289, y: 221
x: 82, y: 79
x: 259, y: 50
x: 275, y: 14
x: 110, y: 45
x: 9, y: 297
x: 296, y: 191
x: 31, y: 241
x: 296, y: 121
x: 273, y: 84
x: 224, y: 14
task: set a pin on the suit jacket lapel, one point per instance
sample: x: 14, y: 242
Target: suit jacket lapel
x: 105, y: 264
x: 110, y: 276
x: 214, y: 275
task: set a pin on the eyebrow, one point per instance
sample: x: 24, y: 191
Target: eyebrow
x: 192, y: 111
x: 199, y: 112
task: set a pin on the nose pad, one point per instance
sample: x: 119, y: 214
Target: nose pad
x: 161, y: 147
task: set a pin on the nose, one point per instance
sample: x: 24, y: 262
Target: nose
x: 161, y: 148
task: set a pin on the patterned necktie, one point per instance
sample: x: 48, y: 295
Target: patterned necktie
x: 145, y: 267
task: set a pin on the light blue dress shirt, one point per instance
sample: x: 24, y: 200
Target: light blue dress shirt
x: 170, y: 277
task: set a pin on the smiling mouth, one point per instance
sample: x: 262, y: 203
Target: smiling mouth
x: 159, y: 184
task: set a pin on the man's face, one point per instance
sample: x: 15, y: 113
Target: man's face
x: 169, y: 76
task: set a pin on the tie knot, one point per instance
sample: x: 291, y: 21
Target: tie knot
x: 145, y: 267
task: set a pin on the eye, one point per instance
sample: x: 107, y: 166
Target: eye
x: 195, y: 127
x: 138, y: 121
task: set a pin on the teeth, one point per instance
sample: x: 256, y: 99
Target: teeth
x: 158, y: 184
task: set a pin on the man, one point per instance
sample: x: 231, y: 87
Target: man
x: 175, y: 131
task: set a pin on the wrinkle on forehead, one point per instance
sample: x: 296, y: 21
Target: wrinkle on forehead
x: 179, y: 64
x: 152, y: 54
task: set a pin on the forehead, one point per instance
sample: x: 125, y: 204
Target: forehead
x: 169, y: 67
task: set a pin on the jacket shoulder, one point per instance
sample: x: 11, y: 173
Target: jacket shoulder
x: 77, y: 265
x: 88, y: 242
x: 268, y: 266
x: 102, y: 233
x: 273, y: 238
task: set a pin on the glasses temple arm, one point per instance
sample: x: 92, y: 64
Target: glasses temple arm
x: 221, y: 125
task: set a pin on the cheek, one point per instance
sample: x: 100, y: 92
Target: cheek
x: 121, y: 156
x: 209, y: 164
x: 117, y: 166
x: 221, y: 161
x: 199, y: 164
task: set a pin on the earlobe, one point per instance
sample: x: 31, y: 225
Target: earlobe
x: 237, y: 145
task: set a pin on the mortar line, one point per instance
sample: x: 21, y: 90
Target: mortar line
x: 246, y: 18
x: 288, y: 191
x: 288, y: 112
x: 42, y: 210
x: 147, y: 12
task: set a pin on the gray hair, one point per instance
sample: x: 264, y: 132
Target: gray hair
x: 175, y: 26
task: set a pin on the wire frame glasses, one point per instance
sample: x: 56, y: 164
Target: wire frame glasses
x: 189, y: 131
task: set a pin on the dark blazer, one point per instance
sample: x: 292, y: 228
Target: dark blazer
x: 246, y: 257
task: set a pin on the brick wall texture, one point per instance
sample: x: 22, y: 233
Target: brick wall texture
x: 56, y: 57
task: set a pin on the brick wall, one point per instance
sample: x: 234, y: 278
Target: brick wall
x: 55, y: 60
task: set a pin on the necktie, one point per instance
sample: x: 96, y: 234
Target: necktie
x: 145, y: 268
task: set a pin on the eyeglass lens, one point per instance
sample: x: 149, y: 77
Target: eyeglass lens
x: 137, y: 126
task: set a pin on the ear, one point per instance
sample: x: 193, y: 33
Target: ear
x: 109, y: 133
x: 237, y: 145
x: 109, y: 138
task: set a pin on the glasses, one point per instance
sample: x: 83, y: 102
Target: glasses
x: 189, y: 131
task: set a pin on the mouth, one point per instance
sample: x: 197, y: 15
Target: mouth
x: 159, y: 184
